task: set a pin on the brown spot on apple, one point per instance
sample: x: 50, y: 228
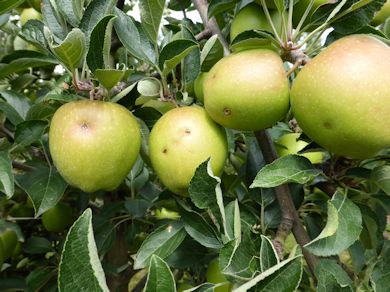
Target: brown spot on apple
x: 227, y: 111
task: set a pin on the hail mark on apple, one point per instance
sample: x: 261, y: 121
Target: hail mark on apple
x: 227, y: 111
x: 165, y: 150
x: 84, y: 126
x: 187, y: 131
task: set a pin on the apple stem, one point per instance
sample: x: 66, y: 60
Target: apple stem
x: 290, y: 217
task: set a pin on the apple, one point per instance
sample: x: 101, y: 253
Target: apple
x: 341, y: 99
x: 382, y: 14
x: 182, y: 139
x: 252, y: 17
x: 214, y: 275
x: 198, y: 86
x: 290, y: 144
x: 9, y: 241
x: 21, y: 210
x: 247, y: 90
x: 29, y: 13
x: 58, y: 218
x: 94, y: 144
x: 184, y: 286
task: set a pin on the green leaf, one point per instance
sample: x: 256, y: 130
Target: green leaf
x: 191, y: 63
x: 162, y: 242
x: 212, y: 52
x: 160, y: 277
x: 72, y: 10
x: 219, y: 6
x: 287, y: 169
x: 198, y: 228
x: 8, y: 5
x: 39, y: 277
x: 20, y: 103
x: 33, y: 32
x: 283, y: 277
x: 95, y: 11
x: 252, y: 39
x: 6, y: 176
x: 100, y: 44
x: 30, y: 131
x: 172, y: 54
x: 80, y: 268
x: 268, y: 254
x: 131, y: 38
x: 151, y: 14
x: 71, y: 51
x: 44, y: 186
x: 22, y: 64
x: 123, y: 93
x: 11, y: 114
x: 342, y: 229
x: 109, y: 77
x: 332, y: 277
x: 381, y: 176
x: 149, y: 86
x: 54, y: 21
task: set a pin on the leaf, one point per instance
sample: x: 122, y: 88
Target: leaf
x: 72, y: 10
x: 6, y: 176
x: 341, y: 231
x: 8, y: 5
x: 44, y: 186
x: 162, y: 242
x: 80, y: 268
x: 287, y: 169
x: 219, y: 6
x: 212, y: 52
x: 198, y: 228
x: 22, y: 64
x: 131, y: 37
x: 191, y: 63
x: 252, y: 39
x: 172, y: 54
x: 284, y: 276
x: 268, y: 254
x: 39, y: 277
x: 160, y: 277
x: 11, y: 114
x: 151, y: 14
x: 30, y: 131
x: 123, y: 93
x: 381, y: 176
x: 71, y: 51
x: 33, y: 32
x: 95, y: 11
x: 109, y: 77
x: 149, y: 86
x: 53, y: 21
x: 20, y: 103
x: 100, y: 44
x: 331, y: 277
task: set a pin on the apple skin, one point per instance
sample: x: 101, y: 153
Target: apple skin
x: 252, y: 17
x: 94, y: 144
x: 382, y: 14
x: 214, y: 275
x: 341, y: 99
x: 9, y: 241
x: 247, y: 90
x: 290, y: 144
x: 58, y: 218
x: 29, y: 13
x: 182, y: 139
x: 198, y: 86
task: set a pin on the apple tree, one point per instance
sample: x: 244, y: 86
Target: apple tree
x: 221, y: 145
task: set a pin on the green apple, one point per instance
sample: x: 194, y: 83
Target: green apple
x: 182, y: 139
x: 341, y: 99
x: 184, y: 286
x: 29, y: 13
x: 252, y: 17
x: 9, y: 241
x: 382, y: 14
x: 58, y: 218
x: 198, y: 86
x: 291, y: 144
x: 215, y: 276
x: 94, y: 144
x: 247, y: 90
x: 21, y: 210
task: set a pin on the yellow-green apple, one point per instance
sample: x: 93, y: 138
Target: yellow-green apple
x: 182, y: 139
x: 29, y: 13
x: 94, y: 144
x: 247, y: 90
x: 215, y: 276
x: 58, y: 218
x: 198, y: 86
x: 9, y: 241
x: 341, y: 99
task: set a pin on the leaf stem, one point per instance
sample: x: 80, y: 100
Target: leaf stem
x: 266, y: 12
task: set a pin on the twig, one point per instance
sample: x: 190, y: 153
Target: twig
x: 204, y: 34
x: 201, y: 6
x: 290, y: 217
x: 21, y: 166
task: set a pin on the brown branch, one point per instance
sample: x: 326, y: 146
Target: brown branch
x: 204, y: 34
x: 21, y: 166
x: 290, y: 217
x: 201, y: 6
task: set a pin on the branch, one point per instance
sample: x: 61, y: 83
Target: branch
x: 21, y: 166
x: 211, y: 24
x: 290, y: 217
x: 204, y: 34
